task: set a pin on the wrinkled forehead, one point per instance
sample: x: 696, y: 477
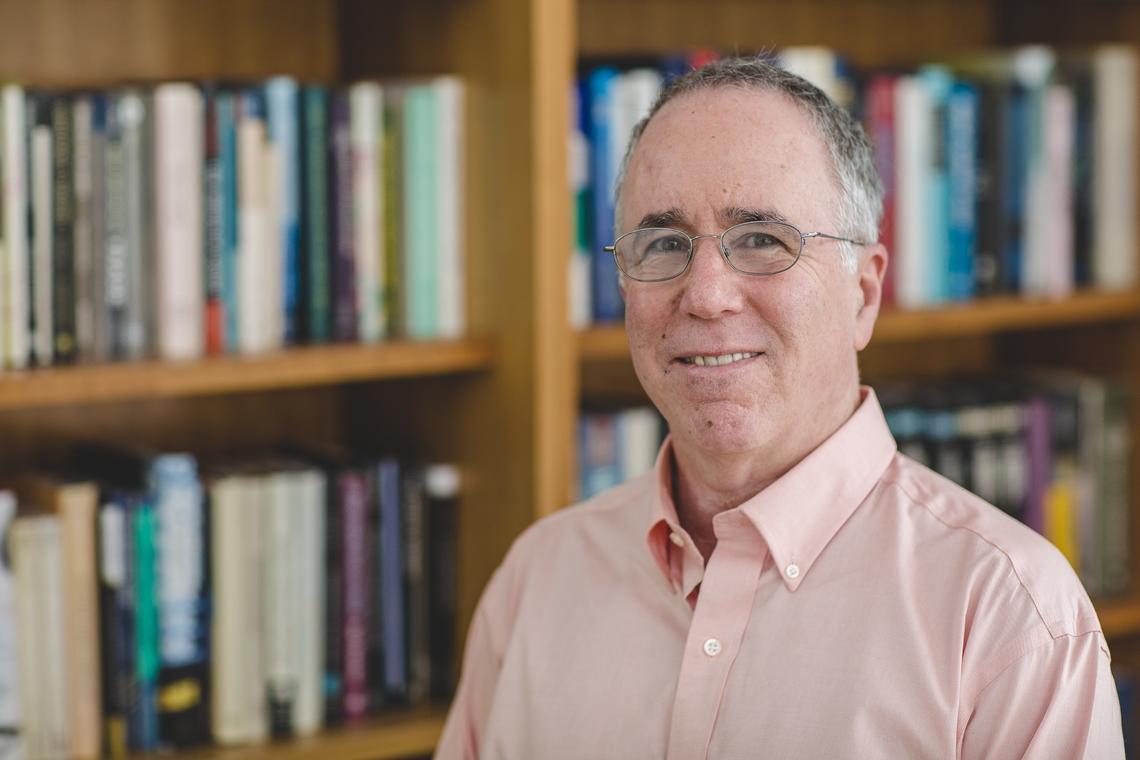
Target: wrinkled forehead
x: 731, y: 147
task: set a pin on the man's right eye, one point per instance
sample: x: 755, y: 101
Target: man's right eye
x: 668, y: 244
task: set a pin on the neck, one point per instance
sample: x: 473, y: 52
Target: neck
x: 706, y: 483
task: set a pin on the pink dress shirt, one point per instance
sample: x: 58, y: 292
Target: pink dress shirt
x: 861, y: 606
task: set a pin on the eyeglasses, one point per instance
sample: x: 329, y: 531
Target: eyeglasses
x: 655, y: 254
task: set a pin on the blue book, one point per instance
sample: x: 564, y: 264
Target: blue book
x: 391, y: 585
x: 282, y: 107
x: 599, y: 447
x: 182, y: 599
x: 605, y: 294
x: 1014, y: 174
x: 937, y: 82
x: 226, y: 115
x: 962, y: 170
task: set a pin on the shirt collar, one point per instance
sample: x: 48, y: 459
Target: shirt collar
x: 799, y: 513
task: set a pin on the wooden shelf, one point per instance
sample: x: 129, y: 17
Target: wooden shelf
x: 399, y: 735
x: 1119, y: 617
x: 990, y: 316
x: 293, y: 368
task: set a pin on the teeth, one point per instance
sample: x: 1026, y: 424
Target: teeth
x: 716, y: 361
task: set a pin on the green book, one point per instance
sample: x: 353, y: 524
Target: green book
x: 421, y: 244
x: 318, y: 285
x: 143, y: 714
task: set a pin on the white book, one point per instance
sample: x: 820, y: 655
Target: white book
x: 366, y: 104
x: 178, y: 152
x: 1032, y: 67
x: 818, y: 65
x: 13, y: 186
x: 452, y: 271
x: 1114, y: 167
x: 1060, y: 135
x: 914, y: 140
x: 273, y: 255
x: 42, y: 229
x: 253, y: 234
x: 281, y: 581
x: 38, y: 562
x: 635, y: 92
x: 238, y: 707
x: 309, y: 489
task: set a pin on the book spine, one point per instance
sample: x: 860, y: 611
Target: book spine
x: 452, y: 266
x: 212, y: 233
x: 136, y: 122
x: 333, y: 682
x: 283, y: 101
x: 391, y: 586
x: 1060, y: 118
x: 581, y: 309
x: 309, y: 530
x: 14, y: 186
x: 183, y: 600
x: 605, y: 293
x: 317, y: 290
x: 229, y: 111
x: 1114, y: 173
x: 115, y: 608
x: 40, y: 183
x: 252, y: 201
x: 1014, y: 173
x: 937, y: 82
x: 990, y: 220
x: 366, y: 105
x: 962, y: 162
x: 393, y: 167
x: 344, y: 269
x: 63, y: 292
x: 913, y: 119
x: 414, y: 504
x: 180, y: 298
x: 421, y: 242
x: 281, y: 584
x: 442, y: 484
x: 9, y: 624
x: 881, y: 123
x: 116, y: 251
x: 143, y: 709
x: 83, y: 236
x: 354, y: 505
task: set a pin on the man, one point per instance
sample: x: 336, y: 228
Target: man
x: 784, y: 584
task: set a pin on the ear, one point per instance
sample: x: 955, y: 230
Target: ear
x: 872, y: 269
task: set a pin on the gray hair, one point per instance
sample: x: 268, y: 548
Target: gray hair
x: 860, y: 189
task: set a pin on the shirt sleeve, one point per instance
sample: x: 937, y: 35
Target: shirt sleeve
x: 1057, y: 700
x: 463, y: 730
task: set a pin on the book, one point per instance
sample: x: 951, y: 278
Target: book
x: 180, y: 295
x: 344, y: 276
x: 450, y: 95
x: 605, y: 295
x: 366, y: 104
x: 390, y: 588
x: 116, y: 616
x: 283, y: 111
x: 40, y: 145
x: 63, y: 290
x: 316, y: 289
x: 11, y: 743
x: 442, y: 485
x: 255, y: 331
x: 1114, y: 72
x: 74, y: 503
x: 421, y: 192
x: 135, y: 120
x: 214, y: 314
x: 15, y: 279
x: 87, y: 176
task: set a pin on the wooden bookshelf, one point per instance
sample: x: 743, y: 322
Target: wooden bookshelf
x: 389, y: 737
x: 1119, y: 617
x: 979, y: 318
x: 294, y: 368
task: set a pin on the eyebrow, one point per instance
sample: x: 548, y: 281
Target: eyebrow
x: 674, y: 217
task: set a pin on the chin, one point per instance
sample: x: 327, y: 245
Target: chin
x: 725, y: 428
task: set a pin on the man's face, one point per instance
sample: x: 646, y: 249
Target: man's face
x: 708, y: 160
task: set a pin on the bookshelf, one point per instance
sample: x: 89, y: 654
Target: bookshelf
x: 504, y: 404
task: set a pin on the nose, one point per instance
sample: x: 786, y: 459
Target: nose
x: 711, y: 287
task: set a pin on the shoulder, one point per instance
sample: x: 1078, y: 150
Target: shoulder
x: 1009, y: 563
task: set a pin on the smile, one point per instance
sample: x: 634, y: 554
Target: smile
x: 718, y: 361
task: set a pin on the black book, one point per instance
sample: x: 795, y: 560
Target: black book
x: 64, y: 341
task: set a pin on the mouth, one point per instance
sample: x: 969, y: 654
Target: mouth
x: 718, y: 360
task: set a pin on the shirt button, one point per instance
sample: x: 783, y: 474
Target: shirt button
x: 677, y: 539
x: 792, y: 571
x: 712, y: 647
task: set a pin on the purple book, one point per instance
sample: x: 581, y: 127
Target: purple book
x: 344, y: 262
x: 1039, y: 461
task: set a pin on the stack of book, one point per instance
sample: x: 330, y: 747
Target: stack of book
x: 1005, y: 173
x: 161, y: 605
x: 614, y: 446
x: 183, y: 219
x: 1052, y: 450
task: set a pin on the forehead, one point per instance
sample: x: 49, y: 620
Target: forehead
x: 730, y: 147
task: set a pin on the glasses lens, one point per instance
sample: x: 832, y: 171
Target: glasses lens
x: 653, y: 254
x: 763, y: 247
